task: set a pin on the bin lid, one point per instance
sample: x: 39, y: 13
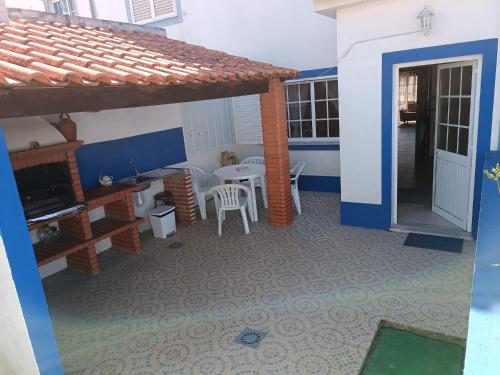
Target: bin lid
x: 161, y: 210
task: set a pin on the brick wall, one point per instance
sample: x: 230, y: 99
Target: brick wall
x: 181, y: 186
x: 275, y: 135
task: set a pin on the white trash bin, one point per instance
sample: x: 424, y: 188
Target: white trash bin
x: 162, y: 219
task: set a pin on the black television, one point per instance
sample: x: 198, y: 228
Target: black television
x: 45, y: 189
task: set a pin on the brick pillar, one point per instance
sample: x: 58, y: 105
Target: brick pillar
x: 181, y: 186
x: 272, y: 107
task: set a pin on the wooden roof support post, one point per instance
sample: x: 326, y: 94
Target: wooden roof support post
x: 272, y: 106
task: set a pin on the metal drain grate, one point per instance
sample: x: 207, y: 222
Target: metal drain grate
x: 250, y: 337
x: 176, y: 245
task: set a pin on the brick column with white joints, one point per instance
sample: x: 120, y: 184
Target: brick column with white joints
x: 274, y: 129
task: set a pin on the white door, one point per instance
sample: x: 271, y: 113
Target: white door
x: 454, y: 135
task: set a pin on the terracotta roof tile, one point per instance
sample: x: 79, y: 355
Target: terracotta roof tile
x: 34, y: 52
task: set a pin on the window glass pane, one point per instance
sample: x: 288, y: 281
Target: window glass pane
x: 333, y: 109
x: 333, y: 128
x: 443, y: 110
x: 463, y: 142
x: 455, y: 81
x: 452, y: 139
x: 441, y: 143
x: 466, y: 80
x: 320, y: 90
x: 307, y: 129
x: 322, y: 128
x: 454, y: 106
x: 321, y: 110
x: 444, y: 81
x: 295, y: 129
x: 294, y: 111
x: 305, y: 92
x: 293, y: 93
x: 305, y: 110
x: 333, y: 89
x: 465, y: 112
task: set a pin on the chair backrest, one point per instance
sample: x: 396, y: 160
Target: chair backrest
x: 254, y: 160
x: 197, y: 174
x: 297, y: 170
x: 229, y: 195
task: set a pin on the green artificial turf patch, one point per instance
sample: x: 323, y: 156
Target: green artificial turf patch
x: 398, y: 350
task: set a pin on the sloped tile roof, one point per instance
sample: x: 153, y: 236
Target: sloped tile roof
x: 40, y: 53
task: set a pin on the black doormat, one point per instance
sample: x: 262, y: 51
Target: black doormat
x: 425, y: 241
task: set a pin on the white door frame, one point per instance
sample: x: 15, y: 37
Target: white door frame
x: 395, y: 122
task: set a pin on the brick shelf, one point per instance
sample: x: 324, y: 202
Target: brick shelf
x: 48, y: 251
x: 41, y: 224
x: 108, y: 227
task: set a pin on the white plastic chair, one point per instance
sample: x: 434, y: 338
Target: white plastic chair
x: 228, y: 198
x: 254, y: 160
x: 203, y: 181
x: 294, y: 180
x: 259, y: 160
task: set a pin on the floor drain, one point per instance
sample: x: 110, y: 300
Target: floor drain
x: 175, y: 245
x: 250, y: 337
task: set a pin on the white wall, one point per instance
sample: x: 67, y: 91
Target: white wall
x: 16, y: 354
x: 360, y: 73
x: 25, y: 4
x: 280, y: 32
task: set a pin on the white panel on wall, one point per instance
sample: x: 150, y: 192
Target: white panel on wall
x: 206, y: 125
x: 247, y: 122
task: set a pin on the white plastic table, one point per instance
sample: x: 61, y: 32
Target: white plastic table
x: 248, y: 172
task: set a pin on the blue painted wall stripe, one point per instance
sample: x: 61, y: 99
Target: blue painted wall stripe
x: 483, y: 345
x: 150, y: 151
x: 381, y: 216
x: 317, y: 73
x: 319, y: 183
x: 313, y: 147
x: 24, y: 270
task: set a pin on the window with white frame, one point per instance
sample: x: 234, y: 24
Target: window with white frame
x: 408, y: 86
x: 312, y: 109
x: 63, y: 7
x: 144, y: 11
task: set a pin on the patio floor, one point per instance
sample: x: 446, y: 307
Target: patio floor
x: 319, y: 289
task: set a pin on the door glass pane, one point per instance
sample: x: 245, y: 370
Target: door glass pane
x: 320, y: 90
x: 294, y: 111
x: 463, y: 142
x: 333, y: 89
x: 465, y: 112
x: 441, y: 142
x: 454, y: 106
x: 305, y: 111
x: 452, y: 139
x: 322, y: 128
x: 466, y: 80
x: 333, y: 109
x: 293, y: 93
x: 455, y: 81
x: 333, y: 128
x: 294, y: 129
x: 445, y: 81
x: 305, y: 91
x: 443, y: 110
x: 307, y: 129
x: 321, y: 110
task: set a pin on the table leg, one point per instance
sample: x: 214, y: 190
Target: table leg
x: 254, y: 199
x: 263, y: 182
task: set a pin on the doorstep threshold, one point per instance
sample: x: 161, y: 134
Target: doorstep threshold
x: 433, y: 230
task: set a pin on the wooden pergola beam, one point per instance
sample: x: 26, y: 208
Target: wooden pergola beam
x: 36, y: 101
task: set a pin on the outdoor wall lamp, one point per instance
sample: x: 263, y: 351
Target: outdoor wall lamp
x: 425, y: 17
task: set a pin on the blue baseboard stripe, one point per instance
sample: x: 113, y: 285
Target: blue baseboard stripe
x: 365, y: 215
x: 319, y: 183
x: 313, y: 147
